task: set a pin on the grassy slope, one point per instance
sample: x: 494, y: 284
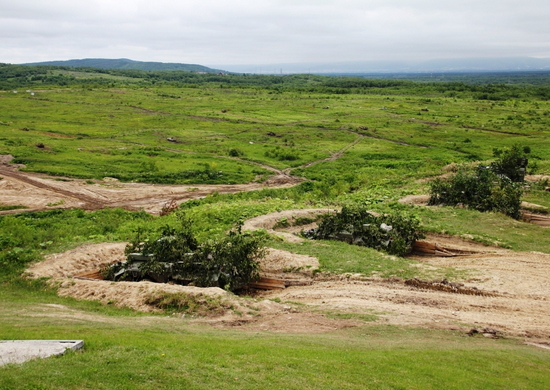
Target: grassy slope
x: 129, y: 350
x: 127, y: 128
x: 123, y: 132
x: 140, y: 352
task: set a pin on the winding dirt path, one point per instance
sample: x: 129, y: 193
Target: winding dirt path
x: 41, y: 192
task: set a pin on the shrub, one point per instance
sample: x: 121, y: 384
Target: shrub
x: 235, y: 153
x: 511, y: 163
x: 174, y: 254
x: 492, y: 188
x: 480, y: 189
x: 394, y: 233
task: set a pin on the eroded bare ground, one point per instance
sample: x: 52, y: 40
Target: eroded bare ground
x: 513, y: 299
x: 42, y: 192
x: 268, y: 222
x: 517, y: 299
x: 250, y: 314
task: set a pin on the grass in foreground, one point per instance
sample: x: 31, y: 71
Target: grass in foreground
x: 169, y: 353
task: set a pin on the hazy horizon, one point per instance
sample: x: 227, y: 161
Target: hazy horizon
x: 459, y: 65
x: 215, y: 32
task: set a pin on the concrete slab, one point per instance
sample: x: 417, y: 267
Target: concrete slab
x: 19, y: 351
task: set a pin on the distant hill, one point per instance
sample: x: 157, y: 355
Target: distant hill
x: 123, y: 63
x: 457, y: 65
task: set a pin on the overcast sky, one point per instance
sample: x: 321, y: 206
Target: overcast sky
x: 218, y: 32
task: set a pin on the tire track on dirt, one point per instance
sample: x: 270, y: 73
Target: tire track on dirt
x: 130, y: 196
x: 91, y: 203
x: 394, y: 141
x: 97, y: 200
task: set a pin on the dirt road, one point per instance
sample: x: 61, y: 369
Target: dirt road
x: 42, y: 192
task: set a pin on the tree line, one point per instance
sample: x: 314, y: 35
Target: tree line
x: 27, y: 76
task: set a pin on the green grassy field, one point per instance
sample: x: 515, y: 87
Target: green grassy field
x: 136, y: 352
x: 118, y: 125
x: 123, y: 132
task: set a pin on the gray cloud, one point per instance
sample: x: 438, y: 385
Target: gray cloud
x: 214, y: 32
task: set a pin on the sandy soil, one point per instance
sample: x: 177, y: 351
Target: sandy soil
x: 421, y: 200
x: 517, y: 287
x: 520, y: 305
x: 513, y: 299
x: 279, y: 264
x: 534, y: 178
x: 258, y: 314
x: 41, y: 192
x: 269, y: 221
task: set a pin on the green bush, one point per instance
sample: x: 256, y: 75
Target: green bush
x: 511, y: 163
x: 480, y: 189
x: 493, y: 188
x: 394, y: 233
x: 174, y: 254
x: 235, y: 153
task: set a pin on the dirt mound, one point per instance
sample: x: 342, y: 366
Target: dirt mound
x: 83, y: 258
x: 229, y: 311
x: 92, y: 257
x: 501, y: 290
x: 282, y: 179
x: 537, y: 219
x: 287, y: 265
x: 286, y: 220
x: 444, y: 244
x: 268, y: 221
x: 5, y: 159
x: 130, y: 294
x: 535, y: 178
x: 415, y: 199
x: 533, y: 206
x: 62, y: 267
